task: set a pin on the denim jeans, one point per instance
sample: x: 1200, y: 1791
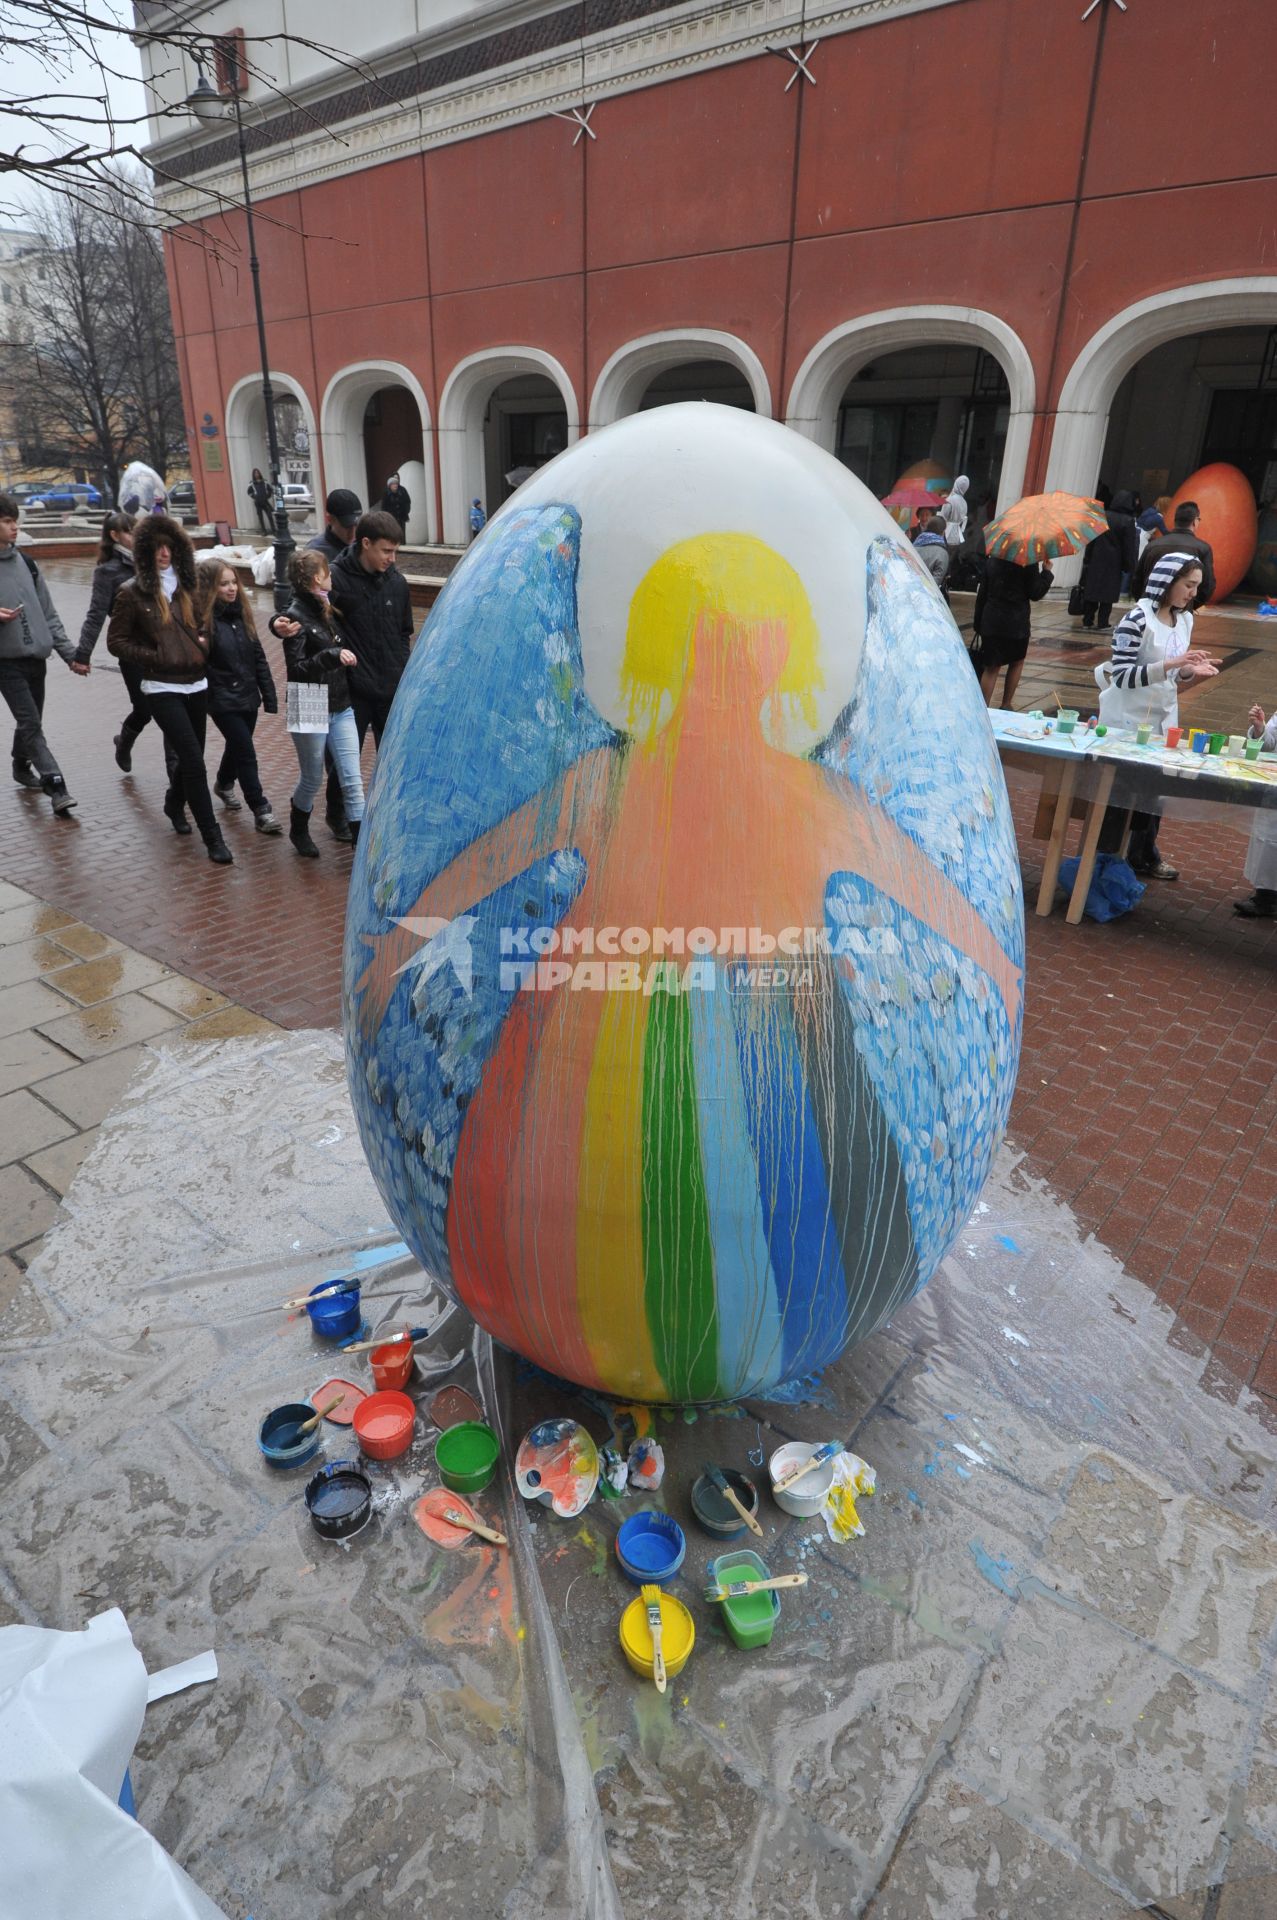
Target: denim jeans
x: 22, y: 687
x: 239, y: 761
x: 342, y: 742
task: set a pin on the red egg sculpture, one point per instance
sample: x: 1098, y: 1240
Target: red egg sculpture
x: 1230, y: 521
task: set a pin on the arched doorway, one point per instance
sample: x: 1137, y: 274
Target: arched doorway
x: 375, y: 423
x: 692, y: 364
x: 1093, y: 406
x: 247, y: 445
x: 501, y: 413
x: 948, y: 406
x: 714, y: 380
x: 966, y: 374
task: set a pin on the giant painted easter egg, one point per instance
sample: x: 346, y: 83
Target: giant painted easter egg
x: 685, y: 935
x: 1229, y: 521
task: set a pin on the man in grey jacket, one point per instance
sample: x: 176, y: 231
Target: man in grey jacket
x: 30, y: 631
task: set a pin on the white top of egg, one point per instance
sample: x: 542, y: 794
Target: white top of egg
x: 667, y: 475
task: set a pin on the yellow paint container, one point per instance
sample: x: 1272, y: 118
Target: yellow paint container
x: 678, y: 1636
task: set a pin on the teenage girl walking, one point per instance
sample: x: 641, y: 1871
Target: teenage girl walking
x: 315, y: 653
x: 239, y: 685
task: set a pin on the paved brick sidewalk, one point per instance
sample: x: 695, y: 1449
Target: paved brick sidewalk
x: 1148, y: 1089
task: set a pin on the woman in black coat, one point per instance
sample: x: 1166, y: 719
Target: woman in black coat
x: 114, y: 570
x: 316, y: 655
x: 1107, y: 560
x: 395, y: 500
x: 239, y: 683
x: 1002, y: 622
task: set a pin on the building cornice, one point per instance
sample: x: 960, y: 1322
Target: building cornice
x: 416, y: 110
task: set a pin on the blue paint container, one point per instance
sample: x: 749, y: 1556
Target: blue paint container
x: 283, y: 1420
x: 650, y: 1547
x: 337, y: 1316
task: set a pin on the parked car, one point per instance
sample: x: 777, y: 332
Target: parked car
x: 297, y: 496
x: 66, y: 495
x: 28, y: 494
x: 182, y: 495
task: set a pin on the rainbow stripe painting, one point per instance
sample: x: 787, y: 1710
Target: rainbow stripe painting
x: 685, y: 939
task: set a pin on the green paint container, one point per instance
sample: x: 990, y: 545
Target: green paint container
x: 751, y: 1617
x: 466, y: 1456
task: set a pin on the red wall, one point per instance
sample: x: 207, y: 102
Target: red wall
x: 938, y: 159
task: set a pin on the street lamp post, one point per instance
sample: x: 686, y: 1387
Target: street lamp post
x: 207, y: 104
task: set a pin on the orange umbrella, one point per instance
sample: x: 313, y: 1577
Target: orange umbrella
x: 1044, y: 526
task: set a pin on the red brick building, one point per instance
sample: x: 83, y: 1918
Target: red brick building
x: 1035, y: 240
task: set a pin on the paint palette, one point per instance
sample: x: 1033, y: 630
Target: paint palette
x: 344, y: 1412
x: 558, y: 1464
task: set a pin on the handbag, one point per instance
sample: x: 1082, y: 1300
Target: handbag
x: 307, y: 707
x: 1076, y: 599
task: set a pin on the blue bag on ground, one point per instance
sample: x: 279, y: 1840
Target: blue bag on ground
x: 1114, y: 887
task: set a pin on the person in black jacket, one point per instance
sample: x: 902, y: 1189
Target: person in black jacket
x: 396, y: 502
x: 371, y: 597
x: 259, y: 494
x: 315, y: 655
x: 239, y: 682
x: 114, y: 570
x: 1184, y: 538
x: 1002, y: 622
x: 1107, y: 561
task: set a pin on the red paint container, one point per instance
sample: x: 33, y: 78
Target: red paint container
x: 384, y: 1424
x: 391, y: 1364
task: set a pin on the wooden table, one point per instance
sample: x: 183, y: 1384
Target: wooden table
x: 1080, y: 772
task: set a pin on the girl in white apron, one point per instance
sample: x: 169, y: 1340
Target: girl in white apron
x: 1150, y: 661
x: 1261, y: 854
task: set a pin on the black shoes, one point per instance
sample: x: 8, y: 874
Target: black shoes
x: 56, y: 788
x: 1262, y: 905
x: 123, y: 744
x: 354, y: 832
x: 26, y: 775
x: 218, y: 851
x: 299, y: 834
x: 177, y: 816
x: 339, y: 827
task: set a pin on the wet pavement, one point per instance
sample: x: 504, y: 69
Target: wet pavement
x: 1042, y: 1682
x: 1148, y: 1083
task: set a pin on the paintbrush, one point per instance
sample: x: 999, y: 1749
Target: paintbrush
x: 385, y: 1340
x: 717, y: 1590
x: 455, y: 1518
x: 294, y: 1434
x: 320, y: 1293
x: 818, y: 1459
x: 652, y: 1601
x: 720, y: 1480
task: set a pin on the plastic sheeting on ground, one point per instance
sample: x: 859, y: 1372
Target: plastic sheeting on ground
x: 1041, y: 1682
x: 71, y: 1707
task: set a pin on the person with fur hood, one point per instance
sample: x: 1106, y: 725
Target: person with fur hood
x: 154, y: 627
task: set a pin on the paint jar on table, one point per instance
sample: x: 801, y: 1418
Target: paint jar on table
x: 1218, y: 741
x: 1252, y: 749
x: 1198, y: 741
x: 1143, y: 733
x: 1174, y: 735
x: 1066, y: 719
x: 1236, y: 745
x: 391, y: 1364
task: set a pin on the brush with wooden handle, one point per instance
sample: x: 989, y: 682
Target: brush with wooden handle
x: 385, y: 1340
x: 652, y: 1601
x: 291, y: 1435
x: 818, y: 1459
x: 731, y: 1589
x: 733, y: 1499
x: 455, y: 1518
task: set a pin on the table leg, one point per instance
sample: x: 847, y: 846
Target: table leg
x: 1090, y: 841
x: 1055, y: 845
x: 1125, y: 841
